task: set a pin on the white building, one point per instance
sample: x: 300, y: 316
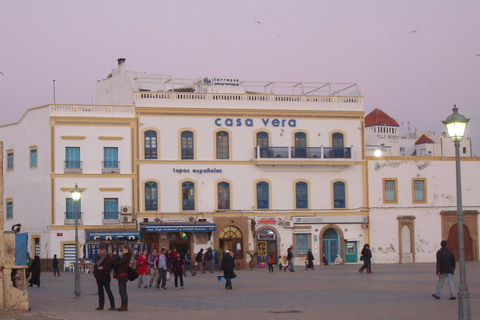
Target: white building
x: 192, y: 164
x: 412, y: 197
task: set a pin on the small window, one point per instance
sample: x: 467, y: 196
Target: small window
x: 390, y: 190
x: 71, y: 209
x: 9, y: 211
x: 110, y: 208
x: 151, y: 196
x: 72, y: 157
x: 339, y: 195
x: 150, y: 144
x: 419, y: 188
x: 302, y: 243
x: 223, y: 196
x: 464, y: 150
x: 263, y: 195
x: 33, y: 158
x: 9, y: 160
x: 301, y: 195
x: 110, y: 158
x: 223, y: 147
x: 188, y: 196
x: 187, y: 145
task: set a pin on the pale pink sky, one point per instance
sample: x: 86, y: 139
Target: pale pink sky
x: 412, y: 76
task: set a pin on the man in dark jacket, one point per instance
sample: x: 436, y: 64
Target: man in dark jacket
x: 228, y: 267
x: 445, y: 269
x: 101, y: 271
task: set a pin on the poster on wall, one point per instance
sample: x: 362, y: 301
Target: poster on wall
x: 202, y: 238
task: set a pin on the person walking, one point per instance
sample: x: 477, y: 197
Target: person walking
x: 228, y: 266
x: 271, y: 261
x: 289, y: 260
x: 122, y: 275
x: 55, y: 266
x: 188, y: 264
x: 101, y: 271
x: 366, y: 258
x: 310, y: 259
x: 162, y: 269
x: 153, y: 267
x: 445, y: 268
x: 36, y: 270
x: 208, y: 258
x: 177, y: 269
x: 199, y: 260
x: 29, y: 264
x: 142, y: 269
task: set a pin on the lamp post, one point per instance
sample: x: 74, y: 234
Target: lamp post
x: 456, y: 125
x: 76, y: 195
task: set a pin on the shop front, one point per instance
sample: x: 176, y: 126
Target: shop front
x: 181, y: 237
x: 112, y: 239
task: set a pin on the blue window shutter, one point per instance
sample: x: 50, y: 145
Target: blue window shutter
x: 339, y: 195
x: 301, y: 195
x: 33, y: 158
x: 110, y: 157
x: 72, y: 157
x: 70, y: 208
x: 110, y: 208
x: 263, y: 195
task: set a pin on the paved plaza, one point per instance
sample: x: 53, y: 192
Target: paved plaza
x: 392, y: 291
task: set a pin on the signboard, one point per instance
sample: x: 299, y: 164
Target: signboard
x: 266, y: 236
x: 267, y: 220
x: 302, y: 231
x: 177, y: 228
x: 330, y: 219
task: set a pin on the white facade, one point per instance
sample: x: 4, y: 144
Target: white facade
x: 293, y: 166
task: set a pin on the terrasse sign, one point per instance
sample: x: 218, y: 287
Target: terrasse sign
x: 229, y: 122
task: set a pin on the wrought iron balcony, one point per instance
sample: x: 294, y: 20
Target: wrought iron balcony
x: 72, y: 166
x: 337, y: 153
x: 110, y: 166
x: 109, y: 218
x: 69, y: 218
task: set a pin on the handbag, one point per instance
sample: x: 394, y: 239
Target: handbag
x: 168, y: 275
x: 361, y: 258
x: 132, y: 274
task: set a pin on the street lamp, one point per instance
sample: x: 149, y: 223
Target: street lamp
x: 76, y: 195
x: 456, y: 125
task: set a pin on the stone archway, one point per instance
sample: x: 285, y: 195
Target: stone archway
x: 272, y: 245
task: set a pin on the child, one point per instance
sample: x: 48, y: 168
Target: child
x: 270, y: 263
x: 280, y: 263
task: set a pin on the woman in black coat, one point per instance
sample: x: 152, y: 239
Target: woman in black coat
x: 228, y: 265
x: 367, y: 259
x: 122, y: 275
x: 35, y: 270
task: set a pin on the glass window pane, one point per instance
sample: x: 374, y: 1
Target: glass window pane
x: 263, y: 196
x: 419, y: 190
x: 389, y: 190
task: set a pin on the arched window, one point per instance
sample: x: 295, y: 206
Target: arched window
x: 151, y: 196
x: 338, y: 145
x: 300, y: 145
x: 263, y: 195
x: 223, y: 194
x: 150, y: 144
x: 187, y: 145
x: 223, y: 147
x: 262, y: 142
x: 188, y: 196
x: 301, y: 195
x: 339, y: 194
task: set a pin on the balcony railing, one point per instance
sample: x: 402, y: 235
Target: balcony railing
x: 302, y: 153
x: 337, y: 153
x: 69, y: 218
x: 109, y: 218
x: 110, y: 166
x: 72, y: 166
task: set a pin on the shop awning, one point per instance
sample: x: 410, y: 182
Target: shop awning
x: 112, y: 234
x: 204, y: 227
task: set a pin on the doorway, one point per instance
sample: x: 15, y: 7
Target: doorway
x: 180, y: 241
x: 452, y: 242
x: 331, y: 244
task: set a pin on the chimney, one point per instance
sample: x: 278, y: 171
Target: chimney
x: 121, y: 66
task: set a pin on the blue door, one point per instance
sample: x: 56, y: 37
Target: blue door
x: 21, y: 240
x: 331, y: 244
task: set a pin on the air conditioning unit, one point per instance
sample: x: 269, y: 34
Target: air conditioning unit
x: 126, y: 218
x: 126, y: 210
x: 288, y: 224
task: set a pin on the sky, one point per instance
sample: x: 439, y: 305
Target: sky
x: 412, y: 59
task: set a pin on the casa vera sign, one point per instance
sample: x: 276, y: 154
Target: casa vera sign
x: 230, y: 122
